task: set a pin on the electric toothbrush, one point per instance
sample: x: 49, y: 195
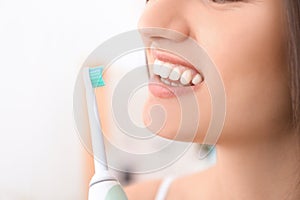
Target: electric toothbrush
x: 103, y: 186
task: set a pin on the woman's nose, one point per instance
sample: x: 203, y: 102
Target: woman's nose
x: 164, y: 19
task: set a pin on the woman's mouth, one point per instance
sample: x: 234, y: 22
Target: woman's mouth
x: 175, y: 75
x: 172, y: 76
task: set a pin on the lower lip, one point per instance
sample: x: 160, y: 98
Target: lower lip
x: 160, y: 90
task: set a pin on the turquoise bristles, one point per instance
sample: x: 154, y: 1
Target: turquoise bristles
x: 96, y: 76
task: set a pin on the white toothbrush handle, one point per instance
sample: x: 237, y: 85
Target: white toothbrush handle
x: 100, y: 160
x: 103, y: 186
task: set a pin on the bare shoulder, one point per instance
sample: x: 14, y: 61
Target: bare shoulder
x: 144, y: 190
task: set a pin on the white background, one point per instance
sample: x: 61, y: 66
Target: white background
x: 42, y: 46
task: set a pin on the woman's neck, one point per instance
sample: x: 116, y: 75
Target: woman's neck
x: 258, y: 170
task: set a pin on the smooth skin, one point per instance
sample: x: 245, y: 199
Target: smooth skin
x: 257, y: 156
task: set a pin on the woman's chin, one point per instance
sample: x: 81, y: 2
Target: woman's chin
x: 158, y: 125
x: 170, y: 129
x: 165, y: 118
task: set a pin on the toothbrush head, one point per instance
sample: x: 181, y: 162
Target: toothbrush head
x: 96, y: 76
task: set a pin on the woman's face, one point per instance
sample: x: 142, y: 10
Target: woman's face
x: 246, y: 41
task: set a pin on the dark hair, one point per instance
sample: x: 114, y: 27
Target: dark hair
x: 293, y: 22
x: 293, y: 27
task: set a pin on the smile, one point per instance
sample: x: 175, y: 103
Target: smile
x: 172, y: 76
x: 176, y: 75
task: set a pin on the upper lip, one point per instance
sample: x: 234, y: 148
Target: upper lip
x: 171, y: 58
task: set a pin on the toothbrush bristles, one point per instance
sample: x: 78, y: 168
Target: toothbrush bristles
x: 96, y: 76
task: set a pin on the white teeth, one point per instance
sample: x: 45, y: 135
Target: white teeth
x: 165, y: 70
x: 175, y: 74
x: 165, y: 81
x: 197, y: 79
x: 172, y: 75
x: 157, y: 66
x: 174, y: 84
x: 186, y: 77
